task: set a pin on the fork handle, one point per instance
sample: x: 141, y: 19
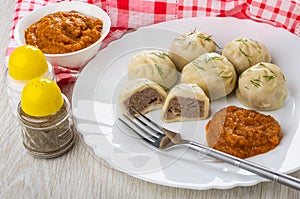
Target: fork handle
x: 260, y: 170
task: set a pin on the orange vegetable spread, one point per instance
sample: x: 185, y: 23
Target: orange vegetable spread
x: 242, y: 133
x: 64, y: 32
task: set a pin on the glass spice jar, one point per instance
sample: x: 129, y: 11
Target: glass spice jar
x: 48, y: 136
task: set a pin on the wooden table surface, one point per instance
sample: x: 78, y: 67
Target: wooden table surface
x: 79, y: 173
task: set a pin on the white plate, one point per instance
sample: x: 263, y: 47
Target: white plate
x: 95, y: 108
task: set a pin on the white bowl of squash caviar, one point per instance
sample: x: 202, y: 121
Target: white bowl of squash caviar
x: 65, y: 32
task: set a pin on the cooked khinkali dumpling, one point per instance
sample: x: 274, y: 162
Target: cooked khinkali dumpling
x: 213, y: 73
x: 185, y: 102
x: 142, y: 94
x: 262, y: 87
x: 188, y: 46
x: 154, y: 65
x: 244, y: 52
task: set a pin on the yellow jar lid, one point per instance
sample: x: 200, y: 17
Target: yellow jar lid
x: 27, y: 62
x: 41, y: 97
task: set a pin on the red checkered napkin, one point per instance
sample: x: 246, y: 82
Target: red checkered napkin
x: 127, y: 14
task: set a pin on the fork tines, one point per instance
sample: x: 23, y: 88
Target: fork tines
x: 144, y: 127
x: 152, y: 125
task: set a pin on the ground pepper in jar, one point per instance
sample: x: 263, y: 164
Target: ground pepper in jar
x: 48, y: 136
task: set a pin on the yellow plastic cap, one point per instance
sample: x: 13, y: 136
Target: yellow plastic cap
x: 27, y: 62
x: 41, y: 97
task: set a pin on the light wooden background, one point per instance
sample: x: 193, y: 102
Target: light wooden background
x: 79, y: 174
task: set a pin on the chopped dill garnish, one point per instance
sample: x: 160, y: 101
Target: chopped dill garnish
x: 244, y: 41
x: 262, y: 64
x: 204, y: 37
x: 192, y: 32
x: 269, y: 77
x: 246, y: 87
x: 198, y: 65
x: 160, y: 71
x: 256, y: 82
x: 180, y: 39
x: 224, y: 76
x: 161, y: 55
x: 229, y: 76
x: 258, y: 45
x: 247, y: 56
x: 208, y: 59
x: 283, y: 77
x: 208, y: 38
x: 271, y: 71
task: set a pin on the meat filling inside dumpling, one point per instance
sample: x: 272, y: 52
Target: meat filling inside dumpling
x: 185, y: 102
x: 142, y: 94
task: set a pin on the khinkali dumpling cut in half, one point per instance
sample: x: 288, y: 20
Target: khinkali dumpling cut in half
x: 213, y: 73
x: 185, y: 102
x: 154, y: 65
x: 142, y: 94
x: 244, y: 53
x: 188, y: 46
x: 262, y: 87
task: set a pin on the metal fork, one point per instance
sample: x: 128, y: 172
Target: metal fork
x: 162, y: 138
